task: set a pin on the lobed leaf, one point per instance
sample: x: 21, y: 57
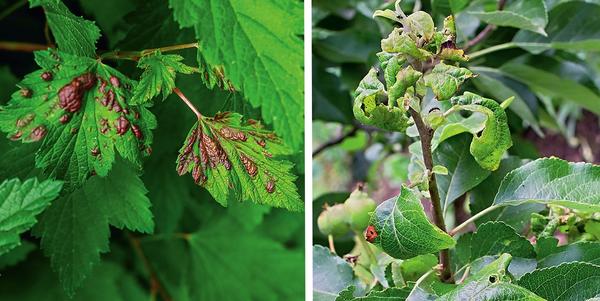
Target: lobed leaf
x: 238, y: 161
x: 552, y: 181
x: 74, y: 35
x: 403, y: 230
x: 75, y: 229
x: 20, y: 202
x: 258, y: 50
x: 80, y: 108
x: 158, y: 76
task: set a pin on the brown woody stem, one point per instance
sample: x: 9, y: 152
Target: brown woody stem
x: 188, y: 102
x: 21, y: 46
x: 426, y: 134
x: 155, y: 285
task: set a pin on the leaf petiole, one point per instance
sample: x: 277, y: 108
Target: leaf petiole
x: 188, y: 102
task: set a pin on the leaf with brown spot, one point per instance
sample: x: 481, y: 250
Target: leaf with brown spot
x: 75, y: 105
x: 238, y: 161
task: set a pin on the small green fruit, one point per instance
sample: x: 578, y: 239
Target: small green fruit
x: 358, y: 206
x: 334, y: 221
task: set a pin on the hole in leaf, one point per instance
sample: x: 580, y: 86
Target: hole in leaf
x: 492, y: 279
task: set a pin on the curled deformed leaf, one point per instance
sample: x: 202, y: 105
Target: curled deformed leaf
x: 403, y: 230
x: 489, y: 145
x: 400, y: 42
x: 445, y: 80
x: 238, y: 161
x: 388, y: 14
x: 371, y: 105
x: 80, y: 108
x: 404, y: 79
x: 421, y: 24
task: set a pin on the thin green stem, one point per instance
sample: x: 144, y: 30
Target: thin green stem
x: 494, y: 48
x: 136, y: 55
x: 11, y: 9
x: 472, y: 219
x: 331, y: 244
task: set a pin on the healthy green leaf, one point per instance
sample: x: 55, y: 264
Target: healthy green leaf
x: 238, y: 161
x: 74, y: 35
x: 581, y: 251
x: 488, y: 146
x: 491, y: 283
x: 159, y: 75
x: 75, y: 229
x: 392, y: 294
x: 20, y: 202
x: 552, y: 181
x: 463, y: 171
x: 370, y: 105
x: 331, y: 274
x: 526, y: 14
x: 79, y: 107
x: 568, y: 281
x: 492, y: 238
x: 207, y: 257
x: 545, y: 82
x: 403, y: 230
x: 258, y: 50
x: 445, y: 80
x: 563, y: 32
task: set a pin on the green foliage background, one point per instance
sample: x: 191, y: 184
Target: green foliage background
x: 545, y: 54
x: 154, y: 234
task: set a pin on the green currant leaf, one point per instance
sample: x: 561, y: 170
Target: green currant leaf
x: 403, y: 230
x: 492, y: 238
x: 445, y: 80
x: 159, y: 75
x: 207, y: 256
x: 74, y: 35
x: 256, y: 51
x: 552, y: 181
x: 238, y: 161
x: 79, y: 107
x: 489, y: 145
x: 20, y: 202
x: 75, y: 229
x: 568, y: 281
x: 491, y: 283
x: 370, y: 105
x: 399, y: 42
